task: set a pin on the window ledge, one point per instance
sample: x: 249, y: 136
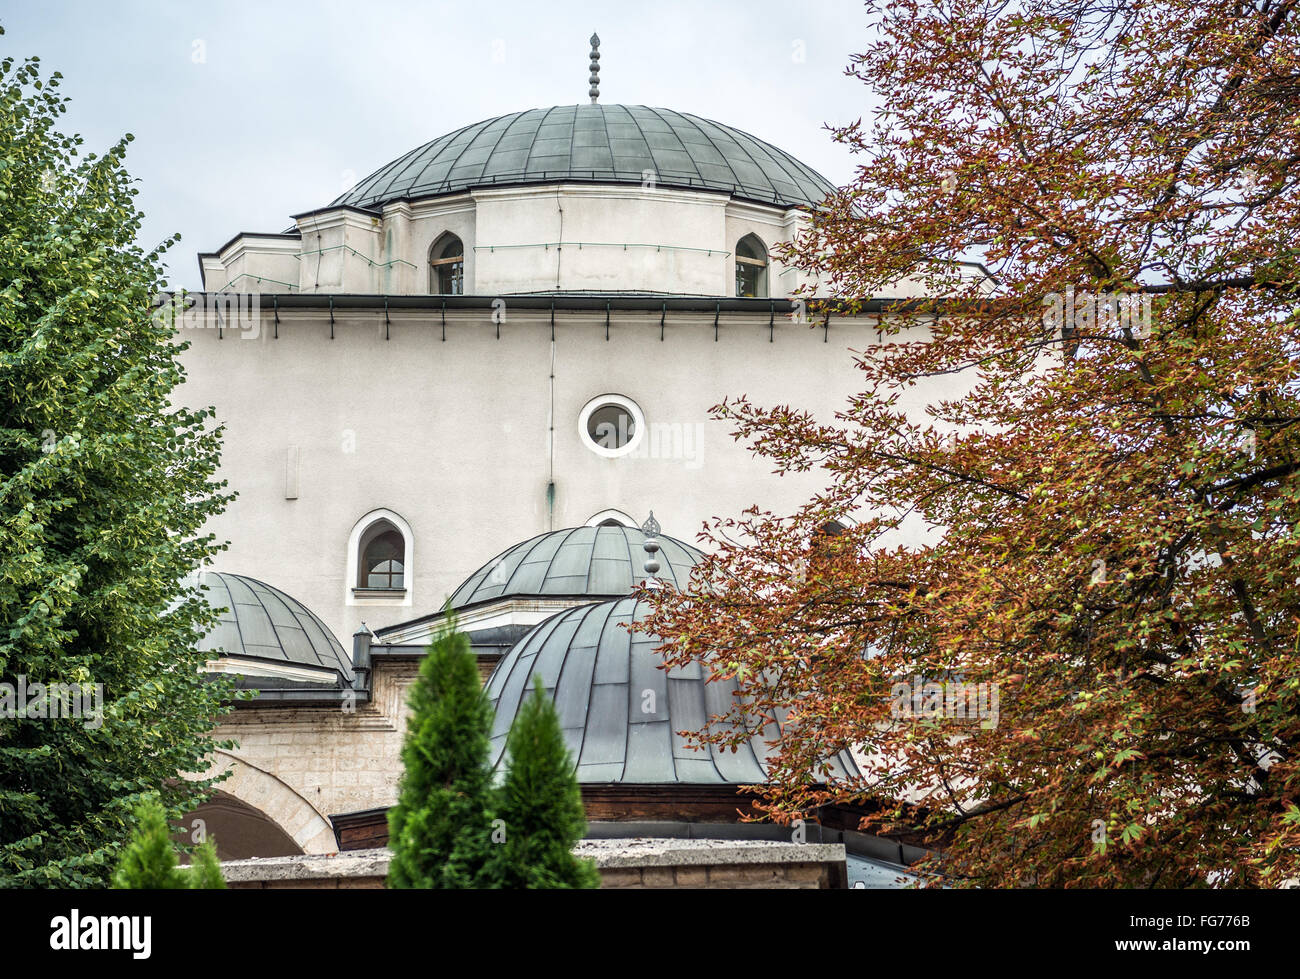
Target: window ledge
x: 379, y: 592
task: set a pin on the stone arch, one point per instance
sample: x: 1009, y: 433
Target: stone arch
x: 309, y: 830
x: 239, y: 830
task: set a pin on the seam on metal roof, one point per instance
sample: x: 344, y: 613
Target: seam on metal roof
x: 591, y: 680
x: 275, y: 629
x: 337, y: 653
x: 528, y: 157
x: 233, y: 614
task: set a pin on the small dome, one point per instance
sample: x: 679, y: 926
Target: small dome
x: 579, y: 562
x: 620, y: 711
x: 263, y: 623
x: 595, y: 143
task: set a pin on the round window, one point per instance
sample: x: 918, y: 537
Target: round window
x: 611, y: 425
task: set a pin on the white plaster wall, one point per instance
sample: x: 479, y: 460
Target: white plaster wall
x: 618, y: 238
x: 254, y: 264
x: 633, y: 239
x: 341, y: 252
x: 452, y: 436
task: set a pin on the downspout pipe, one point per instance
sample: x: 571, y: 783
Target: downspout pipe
x: 361, y: 640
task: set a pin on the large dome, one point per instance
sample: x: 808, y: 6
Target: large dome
x: 595, y: 143
x: 620, y: 711
x: 579, y: 562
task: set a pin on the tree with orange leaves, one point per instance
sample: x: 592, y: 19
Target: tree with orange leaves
x: 1086, y: 670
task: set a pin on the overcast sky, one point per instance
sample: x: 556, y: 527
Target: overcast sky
x: 245, y: 113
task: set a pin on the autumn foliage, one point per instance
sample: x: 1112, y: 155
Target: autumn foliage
x: 1098, y: 520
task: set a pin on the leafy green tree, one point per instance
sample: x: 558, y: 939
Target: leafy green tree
x: 104, y: 489
x: 440, y: 828
x: 205, y: 871
x: 149, y: 861
x: 540, y: 806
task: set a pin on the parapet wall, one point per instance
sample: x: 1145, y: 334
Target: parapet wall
x: 634, y: 863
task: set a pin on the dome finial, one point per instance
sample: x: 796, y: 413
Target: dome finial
x: 651, y: 546
x: 594, y: 91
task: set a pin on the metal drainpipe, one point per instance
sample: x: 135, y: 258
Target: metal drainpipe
x: 559, y: 248
x: 550, y: 446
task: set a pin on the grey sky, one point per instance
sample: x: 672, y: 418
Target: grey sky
x: 245, y: 113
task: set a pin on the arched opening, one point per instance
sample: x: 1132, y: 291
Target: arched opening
x: 611, y: 518
x: 751, y: 268
x: 381, y: 561
x: 238, y: 830
x: 260, y: 806
x: 447, y: 266
x: 380, y: 549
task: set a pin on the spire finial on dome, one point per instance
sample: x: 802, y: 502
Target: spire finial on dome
x: 651, y: 547
x: 651, y: 527
x: 594, y: 91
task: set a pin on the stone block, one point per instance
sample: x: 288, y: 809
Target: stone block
x: 692, y: 876
x: 805, y: 872
x: 621, y: 877
x: 658, y: 877
x: 761, y: 874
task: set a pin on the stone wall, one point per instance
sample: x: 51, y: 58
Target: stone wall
x: 663, y: 863
x: 324, y: 759
x: 637, y: 863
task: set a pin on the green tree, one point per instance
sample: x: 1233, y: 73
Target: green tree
x: 149, y: 861
x: 104, y: 489
x: 440, y: 828
x: 205, y: 870
x: 539, y: 806
x: 1078, y: 480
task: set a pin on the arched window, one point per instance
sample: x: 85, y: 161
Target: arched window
x: 611, y: 518
x: 751, y: 268
x: 447, y: 266
x: 382, y: 563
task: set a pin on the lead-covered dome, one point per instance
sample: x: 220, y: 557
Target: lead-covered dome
x: 595, y: 143
x: 621, y: 712
x: 263, y: 624
x: 579, y: 562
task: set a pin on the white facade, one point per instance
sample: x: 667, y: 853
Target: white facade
x: 562, y: 238
x: 458, y: 418
x: 453, y: 438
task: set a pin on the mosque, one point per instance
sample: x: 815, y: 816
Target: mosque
x: 482, y: 376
